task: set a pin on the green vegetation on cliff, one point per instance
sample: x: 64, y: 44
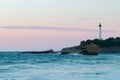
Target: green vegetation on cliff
x: 110, y: 42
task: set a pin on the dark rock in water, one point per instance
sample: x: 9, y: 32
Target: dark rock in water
x: 39, y: 52
x: 90, y: 49
x: 64, y: 52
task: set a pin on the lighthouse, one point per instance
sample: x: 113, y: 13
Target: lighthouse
x: 100, y: 31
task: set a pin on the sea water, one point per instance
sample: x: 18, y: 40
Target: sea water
x: 19, y: 66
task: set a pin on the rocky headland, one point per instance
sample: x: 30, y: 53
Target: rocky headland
x: 110, y: 45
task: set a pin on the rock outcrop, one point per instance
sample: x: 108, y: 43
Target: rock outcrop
x: 90, y: 49
x: 64, y: 52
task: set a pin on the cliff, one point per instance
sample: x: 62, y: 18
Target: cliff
x: 74, y: 49
x: 110, y: 45
x: 90, y: 49
x: 109, y: 50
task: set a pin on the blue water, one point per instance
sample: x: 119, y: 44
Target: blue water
x: 18, y: 66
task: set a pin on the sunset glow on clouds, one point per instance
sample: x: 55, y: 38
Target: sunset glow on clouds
x: 45, y: 24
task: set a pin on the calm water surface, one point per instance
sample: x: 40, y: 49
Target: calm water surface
x: 18, y: 66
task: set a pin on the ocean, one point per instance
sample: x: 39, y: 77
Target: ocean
x: 19, y: 66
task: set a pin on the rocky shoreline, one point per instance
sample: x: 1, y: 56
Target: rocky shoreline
x: 89, y: 47
x: 40, y: 52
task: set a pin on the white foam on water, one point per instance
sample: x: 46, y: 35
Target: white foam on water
x: 65, y: 67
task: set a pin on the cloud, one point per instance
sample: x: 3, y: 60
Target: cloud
x: 46, y: 28
x: 53, y: 28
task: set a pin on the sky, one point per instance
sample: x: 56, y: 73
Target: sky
x: 46, y: 24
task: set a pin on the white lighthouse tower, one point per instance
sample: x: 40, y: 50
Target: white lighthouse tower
x: 100, y: 31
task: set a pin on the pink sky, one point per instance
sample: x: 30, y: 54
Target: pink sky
x: 43, y: 39
x: 64, y: 22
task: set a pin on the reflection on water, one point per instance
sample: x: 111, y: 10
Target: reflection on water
x: 18, y: 66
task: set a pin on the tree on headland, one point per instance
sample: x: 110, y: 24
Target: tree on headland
x: 110, y: 42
